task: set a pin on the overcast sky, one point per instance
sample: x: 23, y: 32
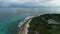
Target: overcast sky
x: 39, y: 2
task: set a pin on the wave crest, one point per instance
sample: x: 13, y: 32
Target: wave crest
x: 26, y: 19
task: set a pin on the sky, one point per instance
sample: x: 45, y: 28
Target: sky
x: 52, y: 3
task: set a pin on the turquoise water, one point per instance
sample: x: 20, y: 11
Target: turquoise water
x: 11, y: 17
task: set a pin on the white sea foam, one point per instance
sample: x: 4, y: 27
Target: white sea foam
x: 21, y: 23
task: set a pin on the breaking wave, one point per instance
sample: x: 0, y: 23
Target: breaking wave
x: 26, y: 19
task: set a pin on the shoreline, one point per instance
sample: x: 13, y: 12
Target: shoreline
x: 24, y: 27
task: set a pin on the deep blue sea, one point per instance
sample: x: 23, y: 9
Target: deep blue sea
x: 10, y: 18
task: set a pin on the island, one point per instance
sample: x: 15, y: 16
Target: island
x: 45, y: 24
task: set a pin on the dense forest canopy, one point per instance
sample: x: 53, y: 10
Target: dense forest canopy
x: 40, y: 24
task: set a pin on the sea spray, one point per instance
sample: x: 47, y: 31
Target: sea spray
x: 26, y: 19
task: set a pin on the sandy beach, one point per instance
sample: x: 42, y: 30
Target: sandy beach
x: 24, y: 28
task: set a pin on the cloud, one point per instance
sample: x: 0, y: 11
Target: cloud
x: 21, y: 1
x: 51, y: 3
x: 9, y: 3
x: 55, y: 2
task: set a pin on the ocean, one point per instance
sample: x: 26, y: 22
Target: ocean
x: 10, y: 18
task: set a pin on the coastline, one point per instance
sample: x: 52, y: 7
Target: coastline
x: 24, y: 28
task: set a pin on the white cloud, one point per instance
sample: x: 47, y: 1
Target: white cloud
x: 23, y: 1
x: 55, y: 2
x: 38, y: 2
x: 51, y: 3
x: 7, y: 3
